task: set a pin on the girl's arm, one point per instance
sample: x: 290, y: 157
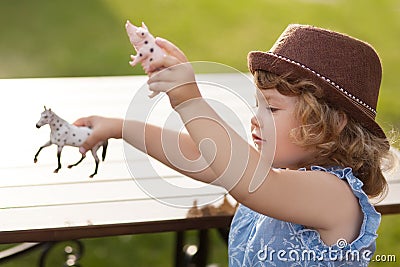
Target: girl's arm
x: 149, y: 139
x: 303, y: 197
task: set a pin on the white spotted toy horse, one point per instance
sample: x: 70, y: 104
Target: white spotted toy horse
x: 65, y: 134
x: 145, y: 45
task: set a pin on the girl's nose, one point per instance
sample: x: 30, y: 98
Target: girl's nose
x: 255, y: 122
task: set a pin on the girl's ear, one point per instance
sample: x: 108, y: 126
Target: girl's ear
x: 343, y: 120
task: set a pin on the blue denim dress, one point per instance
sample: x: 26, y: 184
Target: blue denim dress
x: 259, y: 240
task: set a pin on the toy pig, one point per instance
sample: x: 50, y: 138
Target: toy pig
x: 146, y: 48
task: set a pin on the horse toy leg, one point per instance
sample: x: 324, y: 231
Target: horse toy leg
x: 96, y: 158
x: 73, y: 165
x: 40, y: 149
x: 59, y: 149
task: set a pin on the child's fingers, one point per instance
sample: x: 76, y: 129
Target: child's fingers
x: 85, y: 121
x: 162, y: 63
x: 160, y: 87
x: 171, y: 49
x: 89, y: 143
x: 85, y: 148
x: 156, y: 76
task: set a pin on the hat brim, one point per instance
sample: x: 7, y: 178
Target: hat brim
x: 258, y: 60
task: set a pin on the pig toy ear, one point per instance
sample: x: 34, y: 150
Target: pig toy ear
x: 144, y: 25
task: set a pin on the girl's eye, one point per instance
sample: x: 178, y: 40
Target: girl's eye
x: 272, y: 109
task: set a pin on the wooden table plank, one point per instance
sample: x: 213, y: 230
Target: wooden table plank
x: 104, y: 230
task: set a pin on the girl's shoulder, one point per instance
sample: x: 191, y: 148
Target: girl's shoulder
x: 343, y: 173
x: 346, y: 175
x: 371, y: 218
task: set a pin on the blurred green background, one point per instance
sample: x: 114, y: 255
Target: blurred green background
x: 87, y: 38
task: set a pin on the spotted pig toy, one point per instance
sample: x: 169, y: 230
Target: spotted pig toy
x: 65, y: 134
x: 146, y: 48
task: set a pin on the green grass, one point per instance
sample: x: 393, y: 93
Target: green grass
x: 87, y: 38
x: 388, y: 240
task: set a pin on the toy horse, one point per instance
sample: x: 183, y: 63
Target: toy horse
x: 65, y: 134
x: 145, y: 45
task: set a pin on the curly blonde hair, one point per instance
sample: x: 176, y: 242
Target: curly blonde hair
x: 339, y: 140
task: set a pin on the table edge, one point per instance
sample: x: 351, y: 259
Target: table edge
x: 94, y: 231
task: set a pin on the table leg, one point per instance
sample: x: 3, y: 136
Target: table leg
x: 200, y: 258
x: 224, y: 233
x: 192, y: 255
x: 179, y: 254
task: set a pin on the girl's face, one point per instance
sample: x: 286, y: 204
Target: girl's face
x: 275, y: 110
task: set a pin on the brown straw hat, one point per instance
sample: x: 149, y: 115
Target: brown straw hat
x: 348, y: 70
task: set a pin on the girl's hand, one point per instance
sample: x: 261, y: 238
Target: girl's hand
x: 103, y: 129
x: 173, y: 74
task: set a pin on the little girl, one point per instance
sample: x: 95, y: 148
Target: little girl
x: 312, y: 207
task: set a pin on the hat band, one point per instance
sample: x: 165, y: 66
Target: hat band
x: 347, y: 94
